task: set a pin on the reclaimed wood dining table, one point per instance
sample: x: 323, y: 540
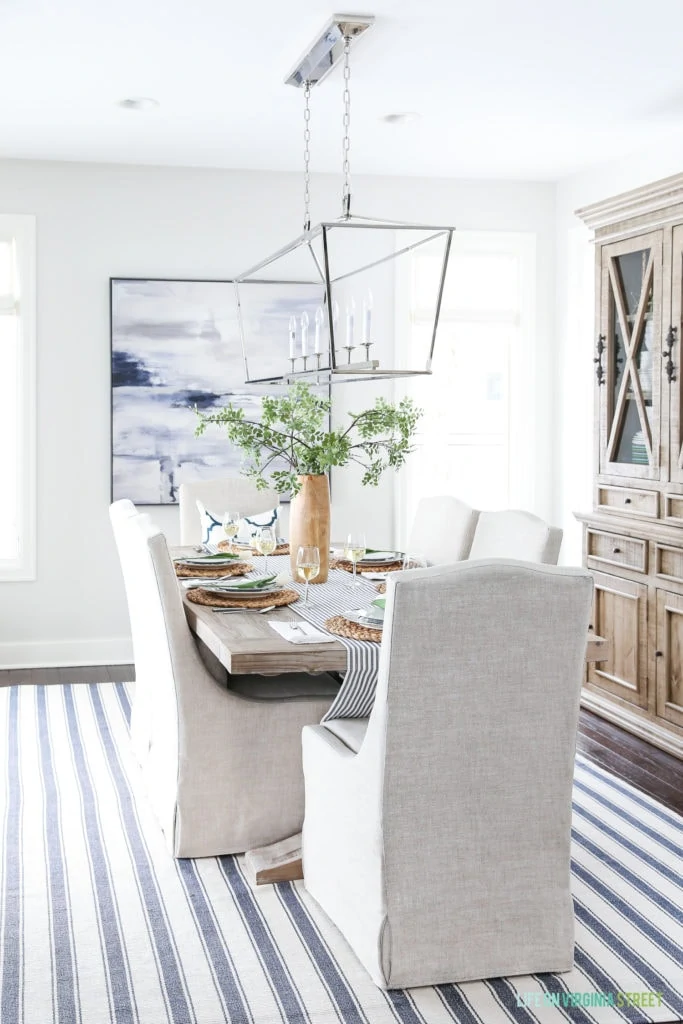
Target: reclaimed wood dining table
x: 244, y: 642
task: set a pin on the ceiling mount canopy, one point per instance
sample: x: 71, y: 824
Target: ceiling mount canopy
x: 335, y: 290
x: 327, y: 49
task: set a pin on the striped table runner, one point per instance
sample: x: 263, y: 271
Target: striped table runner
x: 357, y: 693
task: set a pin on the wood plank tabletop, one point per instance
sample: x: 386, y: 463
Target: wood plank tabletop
x: 245, y: 643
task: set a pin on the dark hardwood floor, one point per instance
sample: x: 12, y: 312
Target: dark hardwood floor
x: 651, y: 770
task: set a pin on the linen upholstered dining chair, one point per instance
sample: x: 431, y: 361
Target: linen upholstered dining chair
x: 437, y: 832
x: 511, y: 533
x: 443, y: 529
x: 222, y: 766
x: 235, y: 493
x: 120, y: 512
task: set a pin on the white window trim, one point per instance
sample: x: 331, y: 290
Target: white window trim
x: 22, y: 228
x: 522, y: 468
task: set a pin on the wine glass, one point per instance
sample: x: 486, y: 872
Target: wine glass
x: 307, y: 566
x: 265, y: 543
x: 231, y: 527
x: 354, y: 551
x: 413, y: 560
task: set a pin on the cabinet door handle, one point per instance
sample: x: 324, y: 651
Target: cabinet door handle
x: 667, y: 353
x: 659, y: 654
x: 616, y: 551
x: 590, y: 625
x: 599, y: 368
x: 627, y: 501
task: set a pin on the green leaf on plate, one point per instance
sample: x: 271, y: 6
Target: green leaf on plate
x: 222, y: 556
x: 380, y: 602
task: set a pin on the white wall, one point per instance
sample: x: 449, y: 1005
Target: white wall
x: 97, y: 221
x: 574, y: 380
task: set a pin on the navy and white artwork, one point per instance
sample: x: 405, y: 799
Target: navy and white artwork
x: 176, y: 345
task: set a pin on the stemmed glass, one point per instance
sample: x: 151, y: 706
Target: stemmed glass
x: 307, y: 566
x: 414, y: 561
x: 231, y: 527
x: 265, y: 543
x: 354, y: 551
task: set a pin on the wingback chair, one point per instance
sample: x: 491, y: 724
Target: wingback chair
x: 437, y: 832
x: 511, y: 533
x: 443, y: 529
x: 231, y: 492
x: 142, y: 712
x: 222, y: 766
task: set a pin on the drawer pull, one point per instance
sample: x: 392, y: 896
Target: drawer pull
x: 590, y: 626
x: 659, y: 654
x: 616, y: 551
x: 627, y: 501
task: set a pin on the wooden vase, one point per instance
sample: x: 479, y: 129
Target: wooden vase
x: 309, y: 522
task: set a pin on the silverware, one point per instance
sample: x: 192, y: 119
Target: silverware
x: 259, y: 611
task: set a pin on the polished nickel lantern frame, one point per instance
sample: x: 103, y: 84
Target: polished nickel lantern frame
x: 313, y: 251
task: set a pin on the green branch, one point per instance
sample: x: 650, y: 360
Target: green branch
x: 293, y: 427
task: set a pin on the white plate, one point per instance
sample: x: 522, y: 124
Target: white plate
x: 274, y: 588
x: 353, y: 615
x: 207, y: 561
x: 381, y: 556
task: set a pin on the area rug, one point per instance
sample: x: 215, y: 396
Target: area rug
x: 99, y: 925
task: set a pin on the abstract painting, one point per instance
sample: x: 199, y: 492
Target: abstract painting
x: 176, y: 345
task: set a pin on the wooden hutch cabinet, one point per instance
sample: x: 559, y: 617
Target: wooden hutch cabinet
x: 633, y: 538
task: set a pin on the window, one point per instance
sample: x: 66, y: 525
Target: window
x: 476, y: 437
x: 17, y: 397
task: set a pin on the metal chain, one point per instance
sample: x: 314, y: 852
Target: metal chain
x: 346, y: 143
x: 307, y: 156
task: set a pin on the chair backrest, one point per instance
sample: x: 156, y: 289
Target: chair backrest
x: 442, y: 530
x: 474, y: 730
x: 234, y: 493
x: 511, y: 533
x: 169, y: 670
x: 120, y: 512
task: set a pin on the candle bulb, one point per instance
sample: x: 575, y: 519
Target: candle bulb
x: 367, y: 318
x: 292, y: 336
x: 304, y: 333
x: 319, y: 319
x: 350, y: 319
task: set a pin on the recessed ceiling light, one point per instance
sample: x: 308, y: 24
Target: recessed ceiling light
x: 403, y: 117
x: 139, y: 103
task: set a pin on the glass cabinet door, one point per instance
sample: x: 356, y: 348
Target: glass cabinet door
x: 629, y: 357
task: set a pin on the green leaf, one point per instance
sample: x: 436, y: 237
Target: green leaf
x: 290, y: 439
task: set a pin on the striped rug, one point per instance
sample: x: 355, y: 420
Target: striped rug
x: 98, y: 924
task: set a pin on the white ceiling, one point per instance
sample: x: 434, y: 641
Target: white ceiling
x: 526, y: 89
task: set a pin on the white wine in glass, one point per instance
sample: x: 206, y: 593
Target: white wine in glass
x: 307, y: 566
x: 265, y: 543
x: 355, y: 550
x: 231, y: 527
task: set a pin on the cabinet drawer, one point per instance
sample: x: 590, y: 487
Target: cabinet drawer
x: 673, y: 507
x: 629, y: 501
x: 613, y: 549
x: 669, y: 562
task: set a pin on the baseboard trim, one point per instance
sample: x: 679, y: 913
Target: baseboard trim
x: 651, y: 732
x: 65, y: 653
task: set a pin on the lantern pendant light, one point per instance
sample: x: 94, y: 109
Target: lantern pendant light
x: 333, y: 295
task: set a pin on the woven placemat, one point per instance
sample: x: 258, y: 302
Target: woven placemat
x: 342, y: 627
x: 211, y: 571
x: 342, y: 563
x: 199, y: 596
x: 281, y: 549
